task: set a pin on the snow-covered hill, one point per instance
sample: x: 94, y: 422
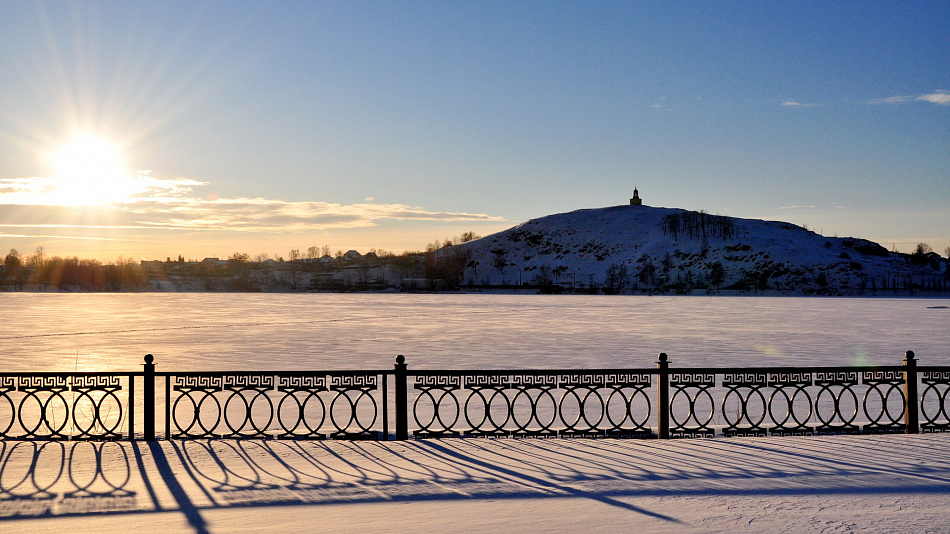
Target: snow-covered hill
x: 642, y: 248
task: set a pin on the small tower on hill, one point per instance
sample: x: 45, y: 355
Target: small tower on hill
x: 636, y: 200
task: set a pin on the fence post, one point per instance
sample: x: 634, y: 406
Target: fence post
x: 148, y: 397
x: 402, y: 399
x: 911, y: 402
x: 663, y: 397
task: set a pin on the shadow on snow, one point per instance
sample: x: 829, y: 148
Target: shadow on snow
x: 45, y: 479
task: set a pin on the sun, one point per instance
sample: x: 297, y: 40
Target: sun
x: 90, y: 171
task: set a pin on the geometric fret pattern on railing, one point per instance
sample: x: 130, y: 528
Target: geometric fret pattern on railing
x: 532, y: 404
x: 86, y: 406
x: 280, y: 405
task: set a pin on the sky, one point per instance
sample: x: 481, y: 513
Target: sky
x: 149, y: 130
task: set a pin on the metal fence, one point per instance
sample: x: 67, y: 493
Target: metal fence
x: 399, y: 403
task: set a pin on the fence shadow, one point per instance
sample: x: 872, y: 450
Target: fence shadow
x: 50, y: 479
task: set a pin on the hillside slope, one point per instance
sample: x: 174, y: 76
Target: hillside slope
x: 643, y: 248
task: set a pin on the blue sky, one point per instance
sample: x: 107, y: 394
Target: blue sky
x: 271, y: 126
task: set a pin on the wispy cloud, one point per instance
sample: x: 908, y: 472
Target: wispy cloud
x: 797, y: 207
x: 889, y: 100
x: 793, y: 104
x: 174, y: 204
x: 940, y: 98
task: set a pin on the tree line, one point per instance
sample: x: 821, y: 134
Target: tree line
x: 39, y: 272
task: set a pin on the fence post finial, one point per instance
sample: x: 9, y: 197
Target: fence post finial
x: 148, y: 392
x: 911, y: 402
x: 663, y: 397
x: 402, y: 399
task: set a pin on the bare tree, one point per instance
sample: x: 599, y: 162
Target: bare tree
x: 919, y: 256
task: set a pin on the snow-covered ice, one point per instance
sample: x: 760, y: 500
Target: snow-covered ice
x: 221, y: 332
x: 894, y: 483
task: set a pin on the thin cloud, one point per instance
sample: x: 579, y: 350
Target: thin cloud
x: 941, y: 98
x: 889, y: 100
x: 797, y: 207
x: 173, y: 204
x: 81, y: 238
x: 793, y: 104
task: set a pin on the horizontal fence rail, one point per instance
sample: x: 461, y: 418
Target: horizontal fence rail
x: 660, y: 402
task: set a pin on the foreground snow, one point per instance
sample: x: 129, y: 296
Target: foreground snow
x: 839, y: 483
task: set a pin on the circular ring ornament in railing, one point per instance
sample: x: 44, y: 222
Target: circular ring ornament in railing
x: 12, y: 417
x: 522, y: 425
x: 96, y: 418
x: 436, y: 416
x: 259, y: 429
x: 365, y: 394
x: 507, y: 408
x: 197, y: 418
x: 592, y: 425
x: 45, y: 410
x: 614, y: 393
x: 638, y: 424
x: 487, y: 416
x: 570, y: 426
x: 301, y: 413
x: 351, y: 417
x: 447, y: 426
x: 546, y: 425
x: 231, y: 394
x: 791, y: 410
x: 691, y: 413
x: 743, y: 402
x: 941, y: 403
x: 427, y: 427
x: 424, y: 427
x: 845, y: 420
x: 475, y: 425
x: 248, y: 412
x: 883, y: 397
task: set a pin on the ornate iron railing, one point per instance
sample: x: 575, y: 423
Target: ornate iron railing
x: 804, y: 401
x: 313, y: 405
x: 594, y: 403
x: 67, y: 405
x: 659, y: 402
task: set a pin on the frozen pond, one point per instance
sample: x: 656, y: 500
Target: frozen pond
x: 86, y: 332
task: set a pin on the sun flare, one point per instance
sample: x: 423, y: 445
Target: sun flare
x: 90, y: 171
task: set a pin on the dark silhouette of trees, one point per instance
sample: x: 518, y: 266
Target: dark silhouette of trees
x: 920, y: 254
x: 717, y: 274
x: 500, y: 261
x: 698, y: 224
x: 615, y: 278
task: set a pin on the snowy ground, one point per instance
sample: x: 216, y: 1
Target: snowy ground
x: 816, y: 484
